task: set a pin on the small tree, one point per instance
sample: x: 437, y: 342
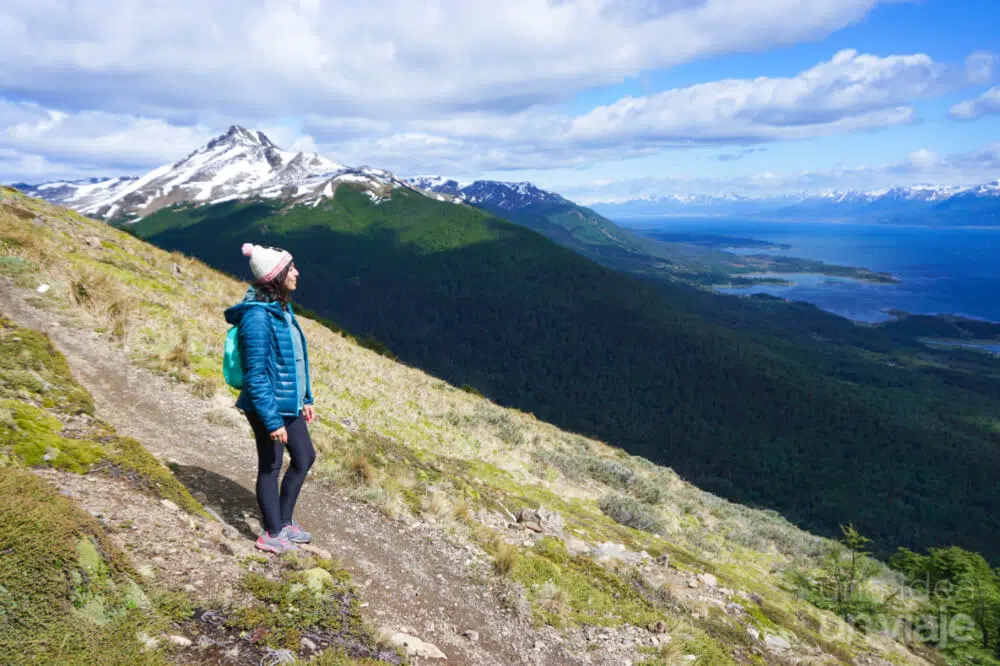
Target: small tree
x: 855, y: 543
x: 846, y: 569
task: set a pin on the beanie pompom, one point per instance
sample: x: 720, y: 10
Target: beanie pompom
x: 247, y: 249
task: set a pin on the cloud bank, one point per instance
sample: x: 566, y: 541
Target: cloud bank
x: 446, y: 86
x: 920, y: 166
x: 264, y: 58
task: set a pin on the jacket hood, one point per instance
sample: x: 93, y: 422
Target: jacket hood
x: 250, y: 299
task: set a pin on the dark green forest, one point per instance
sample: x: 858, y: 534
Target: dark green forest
x: 766, y: 403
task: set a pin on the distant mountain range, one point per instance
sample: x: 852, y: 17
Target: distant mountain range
x: 246, y: 164
x: 920, y: 204
x: 491, y: 193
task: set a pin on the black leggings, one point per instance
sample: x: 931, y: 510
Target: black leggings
x: 276, y: 509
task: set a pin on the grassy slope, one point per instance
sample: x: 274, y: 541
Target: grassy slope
x: 68, y: 595
x: 824, y: 433
x: 410, y: 442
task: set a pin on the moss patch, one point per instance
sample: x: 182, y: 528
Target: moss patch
x: 131, y: 460
x: 62, y: 599
x: 590, y: 593
x: 306, y: 595
x: 38, y: 392
x: 32, y: 368
x: 33, y: 435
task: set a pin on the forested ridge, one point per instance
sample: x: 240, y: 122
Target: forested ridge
x: 803, y: 413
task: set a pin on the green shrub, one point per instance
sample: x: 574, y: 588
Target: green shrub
x: 630, y: 512
x: 609, y: 472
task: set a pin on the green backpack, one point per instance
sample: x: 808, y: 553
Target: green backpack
x: 232, y: 362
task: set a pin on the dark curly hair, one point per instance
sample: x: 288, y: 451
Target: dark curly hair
x: 274, y: 290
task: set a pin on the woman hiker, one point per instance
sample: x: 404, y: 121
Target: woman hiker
x: 276, y: 395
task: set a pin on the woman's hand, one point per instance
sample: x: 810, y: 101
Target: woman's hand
x: 280, y: 436
x: 309, y: 413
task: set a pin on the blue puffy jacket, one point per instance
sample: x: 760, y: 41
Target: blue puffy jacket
x: 270, y: 384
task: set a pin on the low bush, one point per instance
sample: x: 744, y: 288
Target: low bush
x: 630, y: 512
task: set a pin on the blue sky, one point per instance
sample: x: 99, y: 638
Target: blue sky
x: 601, y: 100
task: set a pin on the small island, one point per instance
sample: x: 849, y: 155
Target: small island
x: 767, y: 263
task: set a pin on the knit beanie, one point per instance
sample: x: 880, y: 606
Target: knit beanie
x: 266, y: 262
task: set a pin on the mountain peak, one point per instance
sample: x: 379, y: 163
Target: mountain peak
x: 240, y: 163
x: 239, y: 135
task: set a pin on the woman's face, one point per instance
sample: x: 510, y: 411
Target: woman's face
x: 292, y: 279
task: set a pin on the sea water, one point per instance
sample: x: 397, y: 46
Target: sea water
x: 950, y: 270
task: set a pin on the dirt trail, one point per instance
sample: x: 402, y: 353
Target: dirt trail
x: 412, y: 575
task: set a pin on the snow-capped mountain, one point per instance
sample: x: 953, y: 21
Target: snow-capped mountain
x: 913, y: 204
x: 77, y: 194
x: 492, y: 194
x: 239, y: 164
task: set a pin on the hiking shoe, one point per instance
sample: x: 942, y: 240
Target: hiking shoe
x: 296, y: 534
x: 278, y: 543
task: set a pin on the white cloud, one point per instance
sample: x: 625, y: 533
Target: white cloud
x: 94, y: 138
x: 923, y: 158
x: 19, y: 167
x: 267, y: 58
x: 981, y: 66
x: 920, y: 166
x: 986, y: 104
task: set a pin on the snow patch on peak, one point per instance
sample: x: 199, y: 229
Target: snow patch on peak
x: 488, y: 193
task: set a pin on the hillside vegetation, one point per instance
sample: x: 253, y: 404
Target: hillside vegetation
x: 718, y: 582
x: 809, y: 415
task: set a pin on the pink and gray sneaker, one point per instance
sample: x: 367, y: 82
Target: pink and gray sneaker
x: 296, y: 534
x: 278, y: 543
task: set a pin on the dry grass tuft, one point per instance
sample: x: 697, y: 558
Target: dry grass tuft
x: 205, y: 387
x: 436, y: 503
x: 553, y: 600
x: 360, y: 471
x: 180, y: 356
x: 463, y: 513
x: 220, y: 417
x: 504, y: 558
x: 513, y: 598
x: 92, y: 289
x: 103, y: 297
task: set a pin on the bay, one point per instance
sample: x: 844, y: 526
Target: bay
x: 949, y: 270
